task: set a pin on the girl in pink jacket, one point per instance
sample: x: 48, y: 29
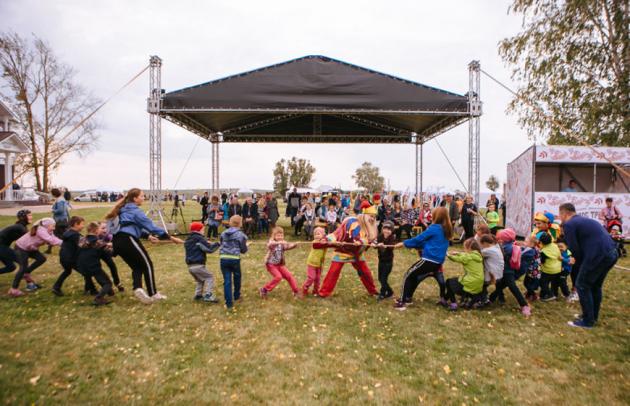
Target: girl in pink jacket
x: 27, y: 247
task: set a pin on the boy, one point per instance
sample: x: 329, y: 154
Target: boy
x: 530, y: 266
x: 91, y: 252
x: 551, y: 266
x: 197, y: 247
x: 233, y: 244
x: 385, y: 258
x: 68, y: 256
x: 567, y: 264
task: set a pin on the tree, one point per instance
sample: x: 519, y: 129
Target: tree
x: 48, y: 103
x: 293, y: 172
x: 573, y: 59
x: 492, y: 183
x: 368, y: 178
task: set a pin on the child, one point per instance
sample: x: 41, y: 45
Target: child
x: 196, y: 247
x: 567, y: 264
x: 530, y: 266
x: 27, y: 247
x: 385, y: 258
x: 68, y: 256
x: 511, y: 264
x: 309, y: 220
x: 482, y: 229
x: 275, y: 263
x: 106, y: 238
x: 424, y: 218
x: 91, y: 252
x: 215, y: 214
x: 315, y: 261
x: 471, y: 282
x: 8, y: 235
x: 492, y: 218
x: 233, y: 244
x: 551, y: 266
x: 493, y: 263
x: 331, y: 217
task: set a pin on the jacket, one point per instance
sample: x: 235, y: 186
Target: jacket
x: 91, y: 252
x: 433, y: 243
x: 317, y: 255
x: 233, y: 243
x: 507, y: 254
x: 492, y: 262
x: 275, y: 252
x: 453, y: 210
x: 472, y: 280
x: 588, y: 241
x: 69, y: 247
x: 386, y: 254
x: 60, y: 210
x: 29, y: 242
x: 550, y: 258
x: 134, y: 222
x: 196, y: 247
x: 566, y: 264
x: 11, y: 233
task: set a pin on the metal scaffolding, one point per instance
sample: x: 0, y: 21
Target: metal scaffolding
x: 419, y: 142
x: 475, y: 111
x: 215, y: 139
x: 154, y: 103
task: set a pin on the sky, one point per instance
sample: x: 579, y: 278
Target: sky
x: 424, y: 41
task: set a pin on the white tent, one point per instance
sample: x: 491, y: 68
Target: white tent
x: 245, y: 191
x: 325, y: 188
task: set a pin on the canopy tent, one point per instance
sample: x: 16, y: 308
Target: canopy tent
x: 315, y: 99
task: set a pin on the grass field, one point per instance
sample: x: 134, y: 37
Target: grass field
x: 347, y: 349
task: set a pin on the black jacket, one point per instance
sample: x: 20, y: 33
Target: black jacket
x: 234, y: 209
x: 91, y: 252
x: 196, y: 247
x: 69, y: 247
x: 250, y: 211
x: 11, y: 233
x: 386, y: 254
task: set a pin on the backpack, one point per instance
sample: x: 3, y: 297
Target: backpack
x: 113, y: 225
x: 515, y: 258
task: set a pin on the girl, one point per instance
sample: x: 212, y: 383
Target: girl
x: 215, y: 215
x: 274, y: 261
x: 27, y: 247
x: 434, y: 244
x: 8, y: 235
x: 315, y: 262
x: 511, y: 266
x: 91, y: 252
x: 233, y: 244
x: 471, y: 282
x: 106, y: 238
x: 492, y: 218
x: 133, y: 224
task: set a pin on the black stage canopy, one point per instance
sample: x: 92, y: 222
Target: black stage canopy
x: 315, y: 99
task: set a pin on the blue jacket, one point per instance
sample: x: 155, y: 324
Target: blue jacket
x: 196, y: 247
x: 60, y: 210
x: 233, y: 243
x: 134, y: 222
x: 566, y: 265
x: 528, y: 256
x: 588, y: 241
x: 433, y: 243
x: 507, y: 255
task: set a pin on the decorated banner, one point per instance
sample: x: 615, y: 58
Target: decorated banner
x: 565, y: 154
x: 519, y: 193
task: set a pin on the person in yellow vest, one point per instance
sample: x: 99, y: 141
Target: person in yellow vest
x: 543, y: 222
x: 551, y: 267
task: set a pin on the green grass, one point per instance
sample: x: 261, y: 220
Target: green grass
x: 346, y: 349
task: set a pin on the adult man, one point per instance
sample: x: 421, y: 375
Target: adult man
x: 493, y: 200
x: 204, y: 207
x: 452, y: 208
x: 293, y: 205
x: 609, y: 213
x: 595, y: 254
x: 572, y: 188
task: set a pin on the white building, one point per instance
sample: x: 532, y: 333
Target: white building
x: 10, y: 147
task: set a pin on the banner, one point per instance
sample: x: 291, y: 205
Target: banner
x: 565, y: 154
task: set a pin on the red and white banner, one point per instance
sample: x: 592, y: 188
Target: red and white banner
x: 566, y: 154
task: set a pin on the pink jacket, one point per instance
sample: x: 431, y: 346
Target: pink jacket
x: 29, y: 242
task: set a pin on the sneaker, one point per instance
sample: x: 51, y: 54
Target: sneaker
x: 120, y: 288
x: 442, y: 302
x: 28, y: 278
x: 15, y: 292
x: 142, y: 296
x: 211, y: 298
x: 263, y: 292
x: 548, y: 298
x: 31, y: 287
x: 57, y: 292
x: 159, y: 296
x: 526, y: 310
x: 198, y: 297
x: 579, y: 323
x: 573, y: 297
x: 100, y: 301
x: 400, y: 305
x: 453, y: 307
x: 380, y: 297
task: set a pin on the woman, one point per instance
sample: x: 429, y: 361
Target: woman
x: 468, y: 213
x: 272, y: 211
x: 128, y: 223
x: 434, y: 244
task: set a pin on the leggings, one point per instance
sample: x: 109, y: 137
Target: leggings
x: 67, y: 270
x: 25, y: 268
x: 130, y: 249
x: 509, y: 282
x: 416, y: 274
x: 8, y: 258
x: 454, y: 288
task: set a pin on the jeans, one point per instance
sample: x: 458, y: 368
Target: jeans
x: 8, y: 258
x: 231, y: 270
x: 25, y: 268
x: 589, y: 286
x: 509, y: 282
x: 549, y: 284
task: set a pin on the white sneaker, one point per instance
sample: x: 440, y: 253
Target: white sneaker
x: 142, y: 296
x: 573, y: 297
x: 159, y: 296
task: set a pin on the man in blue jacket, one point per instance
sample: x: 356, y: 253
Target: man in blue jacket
x: 595, y: 255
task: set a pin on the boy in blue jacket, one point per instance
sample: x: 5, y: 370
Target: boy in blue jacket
x: 233, y: 244
x: 197, y: 247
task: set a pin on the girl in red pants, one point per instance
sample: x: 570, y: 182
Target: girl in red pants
x: 274, y: 261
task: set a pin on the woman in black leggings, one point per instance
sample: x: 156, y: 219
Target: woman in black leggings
x: 128, y: 223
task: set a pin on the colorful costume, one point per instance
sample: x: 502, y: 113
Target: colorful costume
x: 553, y: 229
x: 351, y: 230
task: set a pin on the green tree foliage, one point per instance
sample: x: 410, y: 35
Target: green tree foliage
x: 368, y: 177
x: 293, y: 172
x: 572, y: 59
x: 492, y: 183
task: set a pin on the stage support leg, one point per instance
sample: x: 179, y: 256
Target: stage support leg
x: 155, y: 141
x: 214, y: 140
x: 474, y: 108
x: 419, y: 171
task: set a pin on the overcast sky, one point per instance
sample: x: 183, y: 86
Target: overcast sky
x: 425, y: 41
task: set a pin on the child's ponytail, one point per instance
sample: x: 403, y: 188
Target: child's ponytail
x: 129, y: 198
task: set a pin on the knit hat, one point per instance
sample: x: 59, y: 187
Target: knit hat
x: 541, y: 217
x: 45, y: 222
x: 365, y: 204
x: 389, y: 225
x: 550, y: 217
x: 506, y: 235
x: 196, y: 226
x: 369, y: 210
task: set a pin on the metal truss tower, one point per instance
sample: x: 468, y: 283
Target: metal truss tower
x: 475, y: 111
x: 154, y: 103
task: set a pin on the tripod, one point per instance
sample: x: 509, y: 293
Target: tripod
x: 175, y: 211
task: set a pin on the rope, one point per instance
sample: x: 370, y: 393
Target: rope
x: 451, y: 165
x: 76, y: 127
x: 567, y: 131
x: 186, y: 164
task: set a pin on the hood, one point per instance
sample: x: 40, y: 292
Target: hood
x: 476, y: 256
x: 231, y: 233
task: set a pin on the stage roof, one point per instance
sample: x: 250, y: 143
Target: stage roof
x: 315, y: 99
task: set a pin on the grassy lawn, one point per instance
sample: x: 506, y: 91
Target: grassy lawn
x: 347, y: 349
